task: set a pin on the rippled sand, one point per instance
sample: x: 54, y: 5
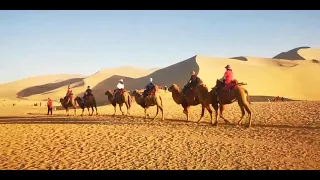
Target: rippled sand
x: 284, y: 135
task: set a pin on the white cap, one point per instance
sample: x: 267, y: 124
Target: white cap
x: 121, y: 80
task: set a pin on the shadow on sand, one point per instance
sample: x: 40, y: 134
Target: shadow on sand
x: 120, y: 120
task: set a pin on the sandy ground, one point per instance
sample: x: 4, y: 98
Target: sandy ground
x: 285, y: 135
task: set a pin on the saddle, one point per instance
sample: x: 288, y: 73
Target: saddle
x: 85, y: 97
x: 191, y: 92
x: 119, y: 92
x: 151, y: 92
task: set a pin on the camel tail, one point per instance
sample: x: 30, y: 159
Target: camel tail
x: 246, y: 91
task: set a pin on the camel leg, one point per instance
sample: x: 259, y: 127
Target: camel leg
x: 92, y: 110
x: 242, y: 114
x: 215, y: 107
x: 120, y: 105
x: 67, y: 111
x: 210, y: 112
x: 202, y: 113
x: 96, y: 110
x: 115, y: 109
x: 161, y: 108
x: 249, y: 112
x: 88, y: 111
x: 156, y: 113
x: 186, y: 112
x: 82, y: 112
x: 75, y: 111
x: 221, y: 107
x: 145, y: 113
x: 128, y: 109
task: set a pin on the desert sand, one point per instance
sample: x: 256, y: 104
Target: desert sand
x: 284, y: 135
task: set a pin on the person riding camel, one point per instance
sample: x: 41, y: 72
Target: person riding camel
x: 226, y: 79
x: 192, y: 83
x: 120, y: 86
x: 87, y: 93
x: 148, y: 88
x: 69, y: 94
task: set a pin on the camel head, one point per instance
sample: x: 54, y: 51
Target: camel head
x: 77, y: 98
x: 137, y: 93
x: 108, y: 93
x: 61, y: 100
x: 203, y: 86
x: 173, y: 87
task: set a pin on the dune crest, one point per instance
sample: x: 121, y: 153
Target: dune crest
x: 265, y: 77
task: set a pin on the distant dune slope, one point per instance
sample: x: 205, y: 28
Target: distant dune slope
x: 93, y: 80
x: 10, y: 90
x: 301, y: 53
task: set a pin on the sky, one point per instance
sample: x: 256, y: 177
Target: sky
x: 34, y: 43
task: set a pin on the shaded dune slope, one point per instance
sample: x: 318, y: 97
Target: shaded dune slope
x: 291, y: 55
x: 178, y: 73
x: 46, y: 87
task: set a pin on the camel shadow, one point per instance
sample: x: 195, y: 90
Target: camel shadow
x: 121, y: 120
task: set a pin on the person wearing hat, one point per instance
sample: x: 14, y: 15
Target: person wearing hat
x: 88, y: 92
x: 227, y: 77
x: 120, y: 86
x: 148, y: 88
x: 193, y: 82
x: 69, y: 94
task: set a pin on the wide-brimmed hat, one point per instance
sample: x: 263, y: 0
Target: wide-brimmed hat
x: 228, y: 67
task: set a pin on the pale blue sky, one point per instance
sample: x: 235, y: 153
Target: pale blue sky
x: 35, y: 43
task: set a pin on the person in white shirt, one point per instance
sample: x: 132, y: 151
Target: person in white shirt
x: 120, y: 86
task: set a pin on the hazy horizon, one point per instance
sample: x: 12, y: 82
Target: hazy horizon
x: 35, y: 43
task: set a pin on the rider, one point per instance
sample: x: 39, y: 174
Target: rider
x: 148, y: 88
x: 88, y: 92
x: 120, y: 86
x: 226, y: 79
x: 69, y: 94
x: 193, y: 82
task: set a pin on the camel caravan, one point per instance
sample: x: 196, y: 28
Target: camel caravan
x: 226, y: 91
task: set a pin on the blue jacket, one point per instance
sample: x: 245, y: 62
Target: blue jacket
x: 149, y: 86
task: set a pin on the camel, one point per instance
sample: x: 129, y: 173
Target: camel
x: 224, y: 97
x: 150, y: 100
x: 89, y: 102
x: 122, y: 98
x: 185, y: 101
x: 72, y: 103
x: 205, y: 99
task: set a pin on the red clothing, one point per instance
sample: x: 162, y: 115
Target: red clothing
x: 49, y: 103
x: 228, y: 76
x: 69, y: 91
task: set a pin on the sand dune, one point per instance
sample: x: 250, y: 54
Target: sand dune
x: 265, y: 77
x: 269, y: 77
x: 11, y: 90
x: 93, y: 81
x: 301, y: 53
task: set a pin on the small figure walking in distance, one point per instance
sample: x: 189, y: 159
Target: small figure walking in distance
x: 49, y: 104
